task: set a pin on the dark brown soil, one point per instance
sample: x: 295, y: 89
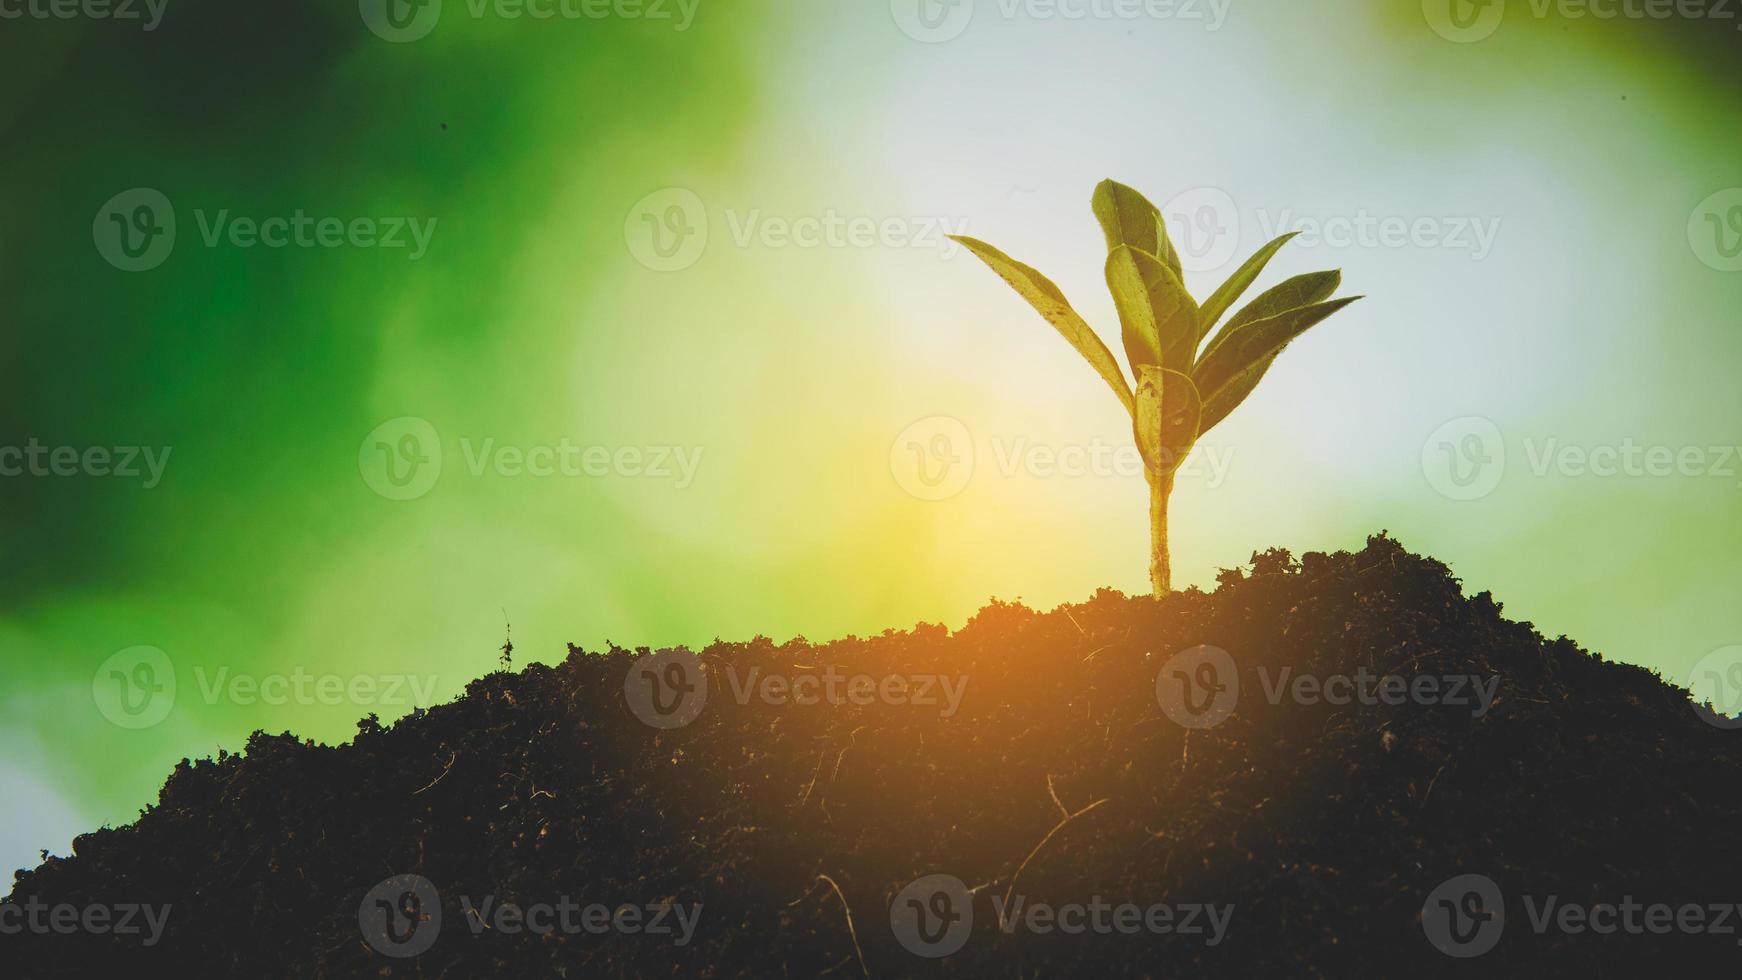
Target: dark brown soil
x: 1325, y: 827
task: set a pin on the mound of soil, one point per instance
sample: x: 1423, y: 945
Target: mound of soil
x: 1307, y: 799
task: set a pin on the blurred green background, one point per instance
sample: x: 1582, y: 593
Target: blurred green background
x: 710, y: 234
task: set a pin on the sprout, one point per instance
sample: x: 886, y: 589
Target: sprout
x: 1184, y: 386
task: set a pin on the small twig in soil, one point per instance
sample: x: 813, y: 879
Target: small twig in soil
x: 851, y: 931
x: 852, y: 739
x: 807, y: 893
x: 1431, y: 783
x: 1050, y: 791
x: 807, y: 790
x: 844, y: 961
x: 1037, y: 848
x: 445, y: 770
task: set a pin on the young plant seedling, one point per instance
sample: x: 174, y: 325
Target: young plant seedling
x: 1184, y: 386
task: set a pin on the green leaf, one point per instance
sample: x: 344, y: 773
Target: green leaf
x: 1237, y: 284
x: 1227, y: 372
x: 1166, y: 420
x: 1232, y: 394
x: 1127, y: 218
x: 1292, y: 294
x: 1159, y: 318
x: 1050, y: 301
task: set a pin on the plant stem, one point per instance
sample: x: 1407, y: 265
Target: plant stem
x: 1160, y: 566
